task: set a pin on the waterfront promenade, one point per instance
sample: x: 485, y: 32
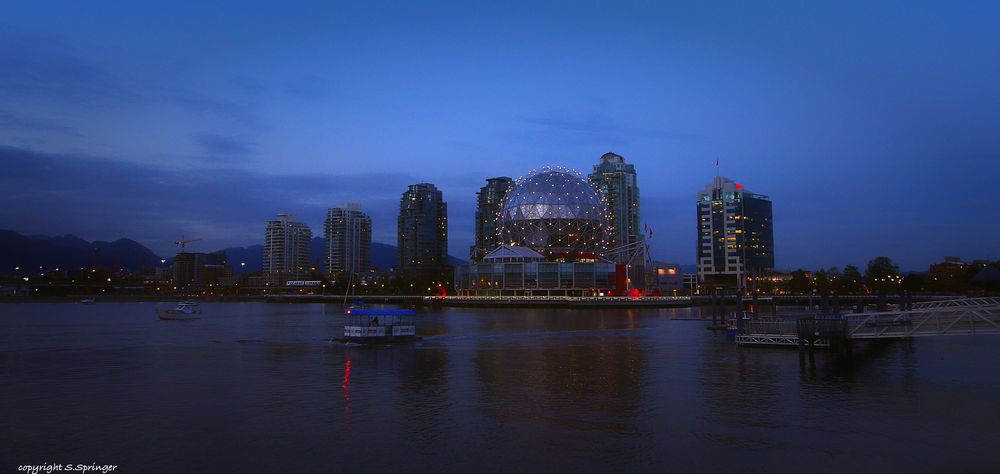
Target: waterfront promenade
x: 804, y: 301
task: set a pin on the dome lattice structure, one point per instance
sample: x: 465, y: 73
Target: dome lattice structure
x: 555, y: 211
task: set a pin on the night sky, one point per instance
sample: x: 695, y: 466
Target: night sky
x: 875, y: 128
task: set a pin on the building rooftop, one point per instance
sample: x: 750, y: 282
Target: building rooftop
x: 507, y: 252
x: 727, y: 185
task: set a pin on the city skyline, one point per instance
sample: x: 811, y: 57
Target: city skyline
x: 384, y: 231
x: 176, y: 123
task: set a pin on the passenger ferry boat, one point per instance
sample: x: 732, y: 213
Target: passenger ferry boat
x: 184, y: 310
x: 378, y: 326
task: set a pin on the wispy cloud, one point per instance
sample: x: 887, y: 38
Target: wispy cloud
x: 214, y: 144
x: 99, y: 198
x: 25, y: 123
x: 46, y: 69
x: 309, y: 87
x: 586, y: 122
x: 590, y: 125
x: 239, y: 112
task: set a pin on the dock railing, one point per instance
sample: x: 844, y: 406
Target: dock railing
x: 769, y: 326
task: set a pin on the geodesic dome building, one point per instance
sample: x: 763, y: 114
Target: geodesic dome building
x: 556, y: 212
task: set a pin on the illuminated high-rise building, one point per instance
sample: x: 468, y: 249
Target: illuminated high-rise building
x: 422, y: 233
x: 489, y: 201
x: 347, y: 241
x: 617, y: 182
x: 735, y: 234
x: 286, y: 250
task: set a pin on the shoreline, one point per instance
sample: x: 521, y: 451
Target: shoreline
x: 485, y: 302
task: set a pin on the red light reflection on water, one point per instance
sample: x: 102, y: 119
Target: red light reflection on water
x: 346, y: 387
x: 347, y: 380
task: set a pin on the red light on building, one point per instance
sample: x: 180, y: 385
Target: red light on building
x: 739, y: 186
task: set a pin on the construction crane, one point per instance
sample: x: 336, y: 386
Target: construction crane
x: 180, y: 243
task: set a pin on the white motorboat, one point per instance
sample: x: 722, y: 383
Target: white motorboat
x: 183, y: 311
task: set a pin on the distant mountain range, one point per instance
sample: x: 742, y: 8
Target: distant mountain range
x: 70, y: 251
x: 383, y: 256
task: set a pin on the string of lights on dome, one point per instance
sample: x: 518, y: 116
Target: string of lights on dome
x: 555, y: 210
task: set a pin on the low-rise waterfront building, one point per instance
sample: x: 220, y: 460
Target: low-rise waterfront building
x: 668, y: 278
x: 520, y: 271
x: 199, y: 270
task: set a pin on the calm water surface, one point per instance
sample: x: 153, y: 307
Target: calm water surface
x: 258, y: 387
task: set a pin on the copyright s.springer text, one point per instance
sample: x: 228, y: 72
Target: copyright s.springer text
x: 48, y: 468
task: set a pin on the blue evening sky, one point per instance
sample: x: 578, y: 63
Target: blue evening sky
x: 873, y: 126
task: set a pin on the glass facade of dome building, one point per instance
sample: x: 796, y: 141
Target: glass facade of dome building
x: 556, y: 212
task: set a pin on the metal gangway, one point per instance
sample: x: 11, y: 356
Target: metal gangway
x: 958, y: 317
